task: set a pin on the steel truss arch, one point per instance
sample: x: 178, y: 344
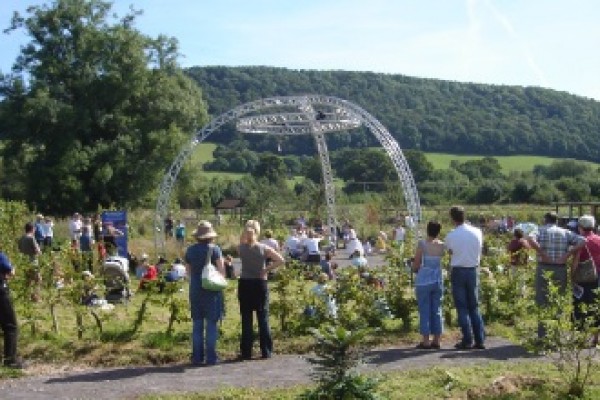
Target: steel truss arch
x: 346, y: 115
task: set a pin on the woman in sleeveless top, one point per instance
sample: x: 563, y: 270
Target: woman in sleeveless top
x: 253, y: 290
x: 429, y: 286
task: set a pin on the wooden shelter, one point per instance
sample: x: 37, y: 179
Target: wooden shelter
x: 234, y: 207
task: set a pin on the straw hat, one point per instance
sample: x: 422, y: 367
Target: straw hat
x: 205, y: 231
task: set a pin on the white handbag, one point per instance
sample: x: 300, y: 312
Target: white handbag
x: 211, y: 277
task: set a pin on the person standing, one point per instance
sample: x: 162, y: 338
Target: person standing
x: 8, y: 318
x: 553, y: 245
x: 48, y: 228
x: 517, y: 249
x: 465, y: 243
x: 86, y: 243
x: 590, y: 251
x: 253, y: 290
x: 429, y: 286
x: 206, y: 305
x: 75, y: 225
x: 38, y: 232
x: 399, y: 234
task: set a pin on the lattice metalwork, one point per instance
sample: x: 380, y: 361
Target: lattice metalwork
x: 312, y: 114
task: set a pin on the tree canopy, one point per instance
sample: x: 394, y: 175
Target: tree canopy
x: 93, y: 110
x: 423, y: 114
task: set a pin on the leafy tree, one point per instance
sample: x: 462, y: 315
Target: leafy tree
x: 420, y: 166
x: 270, y: 167
x: 94, y: 110
x: 367, y: 165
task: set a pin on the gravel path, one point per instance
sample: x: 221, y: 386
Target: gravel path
x: 279, y: 371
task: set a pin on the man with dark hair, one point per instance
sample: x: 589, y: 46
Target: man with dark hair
x: 465, y: 243
x: 27, y: 243
x: 29, y: 247
x: 8, y: 319
x: 553, y: 245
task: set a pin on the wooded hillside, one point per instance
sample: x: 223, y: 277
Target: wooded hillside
x: 423, y: 114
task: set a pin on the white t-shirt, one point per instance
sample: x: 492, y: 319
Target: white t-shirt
x: 399, y: 234
x: 272, y: 243
x: 292, y: 243
x: 312, y: 245
x: 75, y: 228
x: 178, y: 271
x: 465, y: 242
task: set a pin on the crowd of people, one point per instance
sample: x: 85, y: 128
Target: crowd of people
x: 554, y: 246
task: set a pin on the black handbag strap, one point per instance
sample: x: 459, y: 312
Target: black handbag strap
x: 590, y: 254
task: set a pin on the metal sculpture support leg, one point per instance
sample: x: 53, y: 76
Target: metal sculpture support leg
x: 328, y: 183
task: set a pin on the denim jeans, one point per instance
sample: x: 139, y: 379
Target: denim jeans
x: 429, y: 301
x: 465, y: 291
x: 253, y: 295
x: 200, y: 340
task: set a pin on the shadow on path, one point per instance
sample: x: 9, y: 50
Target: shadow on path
x: 119, y: 373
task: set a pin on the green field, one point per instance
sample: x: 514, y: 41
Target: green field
x: 204, y: 153
x: 508, y: 163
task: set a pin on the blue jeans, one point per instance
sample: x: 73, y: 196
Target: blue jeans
x: 429, y: 301
x: 199, y: 340
x: 465, y: 291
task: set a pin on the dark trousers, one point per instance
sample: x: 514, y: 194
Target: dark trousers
x: 253, y: 295
x: 8, y: 323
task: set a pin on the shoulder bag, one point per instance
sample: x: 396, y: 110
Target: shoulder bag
x: 586, y: 270
x: 211, y: 277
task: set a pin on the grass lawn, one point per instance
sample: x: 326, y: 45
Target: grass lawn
x: 508, y: 163
x: 495, y: 380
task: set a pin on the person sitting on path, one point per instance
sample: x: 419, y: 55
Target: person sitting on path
x: 312, y: 252
x: 429, y: 286
x: 465, y: 243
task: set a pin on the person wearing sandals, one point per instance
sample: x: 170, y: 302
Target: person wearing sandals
x: 429, y: 286
x: 465, y: 243
x: 591, y: 250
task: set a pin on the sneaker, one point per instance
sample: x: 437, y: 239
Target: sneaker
x: 423, y: 346
x: 435, y: 346
x: 463, y: 346
x: 479, y: 346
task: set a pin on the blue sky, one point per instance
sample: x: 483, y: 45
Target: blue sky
x: 548, y: 43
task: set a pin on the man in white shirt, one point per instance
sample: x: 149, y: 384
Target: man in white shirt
x: 291, y: 245
x: 75, y: 225
x: 465, y: 243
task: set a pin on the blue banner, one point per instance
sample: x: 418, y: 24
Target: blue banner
x: 118, y: 221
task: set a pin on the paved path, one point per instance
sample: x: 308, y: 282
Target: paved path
x: 279, y: 371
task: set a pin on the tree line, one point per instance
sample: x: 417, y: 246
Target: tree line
x: 422, y: 114
x: 370, y: 170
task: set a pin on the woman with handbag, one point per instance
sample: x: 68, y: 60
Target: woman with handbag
x: 253, y: 290
x: 206, y: 305
x: 585, y: 271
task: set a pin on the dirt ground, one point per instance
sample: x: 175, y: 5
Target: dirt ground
x: 279, y: 371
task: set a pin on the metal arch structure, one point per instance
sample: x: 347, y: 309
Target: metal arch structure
x: 345, y: 115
